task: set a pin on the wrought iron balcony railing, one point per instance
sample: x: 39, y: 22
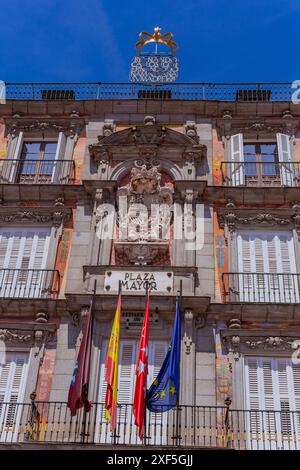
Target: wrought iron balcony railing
x: 29, y: 283
x: 261, y: 287
x: 184, y: 426
x: 37, y: 171
x: 260, y: 174
x: 180, y: 91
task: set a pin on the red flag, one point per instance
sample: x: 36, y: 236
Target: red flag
x: 141, y: 375
x: 78, y: 391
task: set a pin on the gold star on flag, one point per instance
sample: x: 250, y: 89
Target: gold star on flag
x: 162, y: 394
x: 155, y: 382
x: 172, y: 390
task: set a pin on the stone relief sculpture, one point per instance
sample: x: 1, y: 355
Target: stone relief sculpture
x: 144, y: 215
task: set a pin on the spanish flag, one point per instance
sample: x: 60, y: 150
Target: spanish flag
x: 111, y: 373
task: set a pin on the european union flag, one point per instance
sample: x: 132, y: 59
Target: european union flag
x: 164, y: 392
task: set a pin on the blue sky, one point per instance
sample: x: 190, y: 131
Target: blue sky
x: 93, y: 40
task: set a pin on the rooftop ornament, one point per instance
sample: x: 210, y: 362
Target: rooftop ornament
x: 158, y: 66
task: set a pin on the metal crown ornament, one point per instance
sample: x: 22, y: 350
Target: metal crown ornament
x: 157, y: 66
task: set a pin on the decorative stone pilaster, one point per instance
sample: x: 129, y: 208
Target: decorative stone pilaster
x: 188, y: 359
x: 104, y: 221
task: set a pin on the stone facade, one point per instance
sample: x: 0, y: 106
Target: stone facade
x: 185, y: 141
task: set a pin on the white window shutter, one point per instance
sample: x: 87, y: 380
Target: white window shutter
x: 127, y: 371
x: 61, y: 146
x: 285, y: 159
x: 272, y: 384
x: 16, y: 157
x: 23, y: 250
x: 59, y: 155
x: 267, y: 253
x: 4, y: 240
x: 13, y: 374
x: 295, y: 380
x: 19, y: 146
x: 237, y: 160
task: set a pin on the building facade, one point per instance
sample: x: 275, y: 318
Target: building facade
x: 198, y: 188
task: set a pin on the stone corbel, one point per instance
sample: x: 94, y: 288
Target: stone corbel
x: 108, y: 128
x: 188, y: 334
x: 291, y: 124
x: 225, y: 124
x: 100, y: 153
x: 75, y: 127
x: 103, y: 196
x: 59, y: 215
x: 194, y: 155
x: 191, y: 130
x: 79, y: 316
x: 200, y: 321
x: 12, y: 131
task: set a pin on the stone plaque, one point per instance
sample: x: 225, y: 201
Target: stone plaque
x: 136, y: 281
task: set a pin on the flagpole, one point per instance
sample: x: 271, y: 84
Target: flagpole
x: 179, y: 300
x: 85, y: 411
x: 145, y: 410
x: 115, y: 430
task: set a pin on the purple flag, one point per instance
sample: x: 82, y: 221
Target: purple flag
x: 78, y: 391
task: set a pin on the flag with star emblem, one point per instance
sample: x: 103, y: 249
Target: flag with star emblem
x: 111, y: 374
x: 163, y: 395
x: 141, y: 372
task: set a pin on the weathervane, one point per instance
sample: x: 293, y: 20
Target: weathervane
x: 157, y: 66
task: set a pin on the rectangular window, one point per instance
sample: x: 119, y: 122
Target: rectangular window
x: 261, y: 164
x: 267, y: 267
x: 37, y: 162
x: 272, y: 388
x: 127, y: 363
x: 23, y: 257
x: 13, y: 375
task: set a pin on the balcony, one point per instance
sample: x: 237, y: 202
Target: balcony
x: 261, y: 287
x: 37, y: 171
x: 250, y: 92
x: 259, y: 174
x: 45, y: 423
x: 29, y: 283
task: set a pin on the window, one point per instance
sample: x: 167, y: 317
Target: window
x: 272, y: 388
x: 266, y: 263
x: 261, y: 161
x: 37, y: 162
x: 13, y: 374
x: 127, y: 363
x: 23, y: 256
